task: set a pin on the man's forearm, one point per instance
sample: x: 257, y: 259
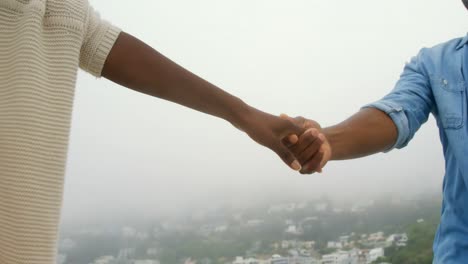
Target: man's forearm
x: 136, y: 65
x: 367, y: 132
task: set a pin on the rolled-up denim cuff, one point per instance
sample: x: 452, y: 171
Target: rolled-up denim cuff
x: 397, y: 114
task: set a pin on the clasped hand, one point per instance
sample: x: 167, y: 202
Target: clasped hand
x: 299, y: 142
x: 311, y: 149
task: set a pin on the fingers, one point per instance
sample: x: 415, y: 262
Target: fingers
x: 291, y: 128
x: 305, y: 140
x: 307, y: 151
x: 286, y: 117
x: 313, y: 165
x: 299, y: 120
x: 319, y: 159
x: 288, y: 158
x: 292, y: 138
x: 310, y: 151
x: 326, y: 153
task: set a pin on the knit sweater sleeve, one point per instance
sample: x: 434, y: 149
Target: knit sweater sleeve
x: 99, y: 38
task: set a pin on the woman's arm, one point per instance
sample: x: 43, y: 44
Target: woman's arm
x: 135, y: 65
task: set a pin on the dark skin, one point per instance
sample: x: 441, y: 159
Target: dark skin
x: 133, y: 64
x: 367, y: 132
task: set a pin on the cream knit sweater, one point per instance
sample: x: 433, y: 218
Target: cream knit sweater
x: 42, y: 44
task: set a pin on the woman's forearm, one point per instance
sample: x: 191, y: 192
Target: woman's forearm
x: 367, y: 132
x: 136, y: 65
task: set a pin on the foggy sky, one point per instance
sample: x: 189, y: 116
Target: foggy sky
x: 320, y: 59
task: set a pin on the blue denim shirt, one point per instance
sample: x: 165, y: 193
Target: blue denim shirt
x: 434, y: 82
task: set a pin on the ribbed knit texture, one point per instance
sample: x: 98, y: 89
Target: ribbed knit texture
x: 42, y: 44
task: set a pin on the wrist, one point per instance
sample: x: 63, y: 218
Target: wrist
x: 333, y: 134
x: 241, y: 116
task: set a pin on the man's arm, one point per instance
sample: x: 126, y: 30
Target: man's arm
x: 381, y: 126
x: 135, y: 65
x: 367, y: 132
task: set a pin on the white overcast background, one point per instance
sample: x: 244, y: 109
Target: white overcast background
x: 130, y: 153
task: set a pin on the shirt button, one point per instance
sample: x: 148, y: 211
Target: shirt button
x: 445, y: 82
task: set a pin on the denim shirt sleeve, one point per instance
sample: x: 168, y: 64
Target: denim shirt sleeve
x: 410, y: 102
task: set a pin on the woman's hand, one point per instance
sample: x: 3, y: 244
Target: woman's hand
x: 313, y: 149
x: 271, y: 131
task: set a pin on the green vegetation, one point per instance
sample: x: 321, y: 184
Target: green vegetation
x: 239, y: 239
x: 419, y: 249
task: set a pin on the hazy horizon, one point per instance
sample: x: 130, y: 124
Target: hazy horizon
x: 319, y: 59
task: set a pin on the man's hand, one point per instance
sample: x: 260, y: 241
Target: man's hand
x: 271, y: 131
x: 312, y: 149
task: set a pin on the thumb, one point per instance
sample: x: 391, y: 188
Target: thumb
x: 292, y: 138
x: 326, y: 150
x: 288, y: 157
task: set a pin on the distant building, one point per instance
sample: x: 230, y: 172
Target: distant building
x: 105, y: 260
x: 190, y: 261
x: 293, y: 253
x: 341, y: 257
x: 308, y: 244
x: 344, y: 240
x: 399, y: 240
x: 275, y: 246
x: 363, y: 256
x: 374, y: 254
x: 145, y: 262
x: 379, y: 236
x: 277, y: 259
x: 241, y: 260
x: 330, y: 259
x: 303, y: 260
x: 292, y: 229
x: 285, y: 244
x: 334, y: 245
x: 305, y: 252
